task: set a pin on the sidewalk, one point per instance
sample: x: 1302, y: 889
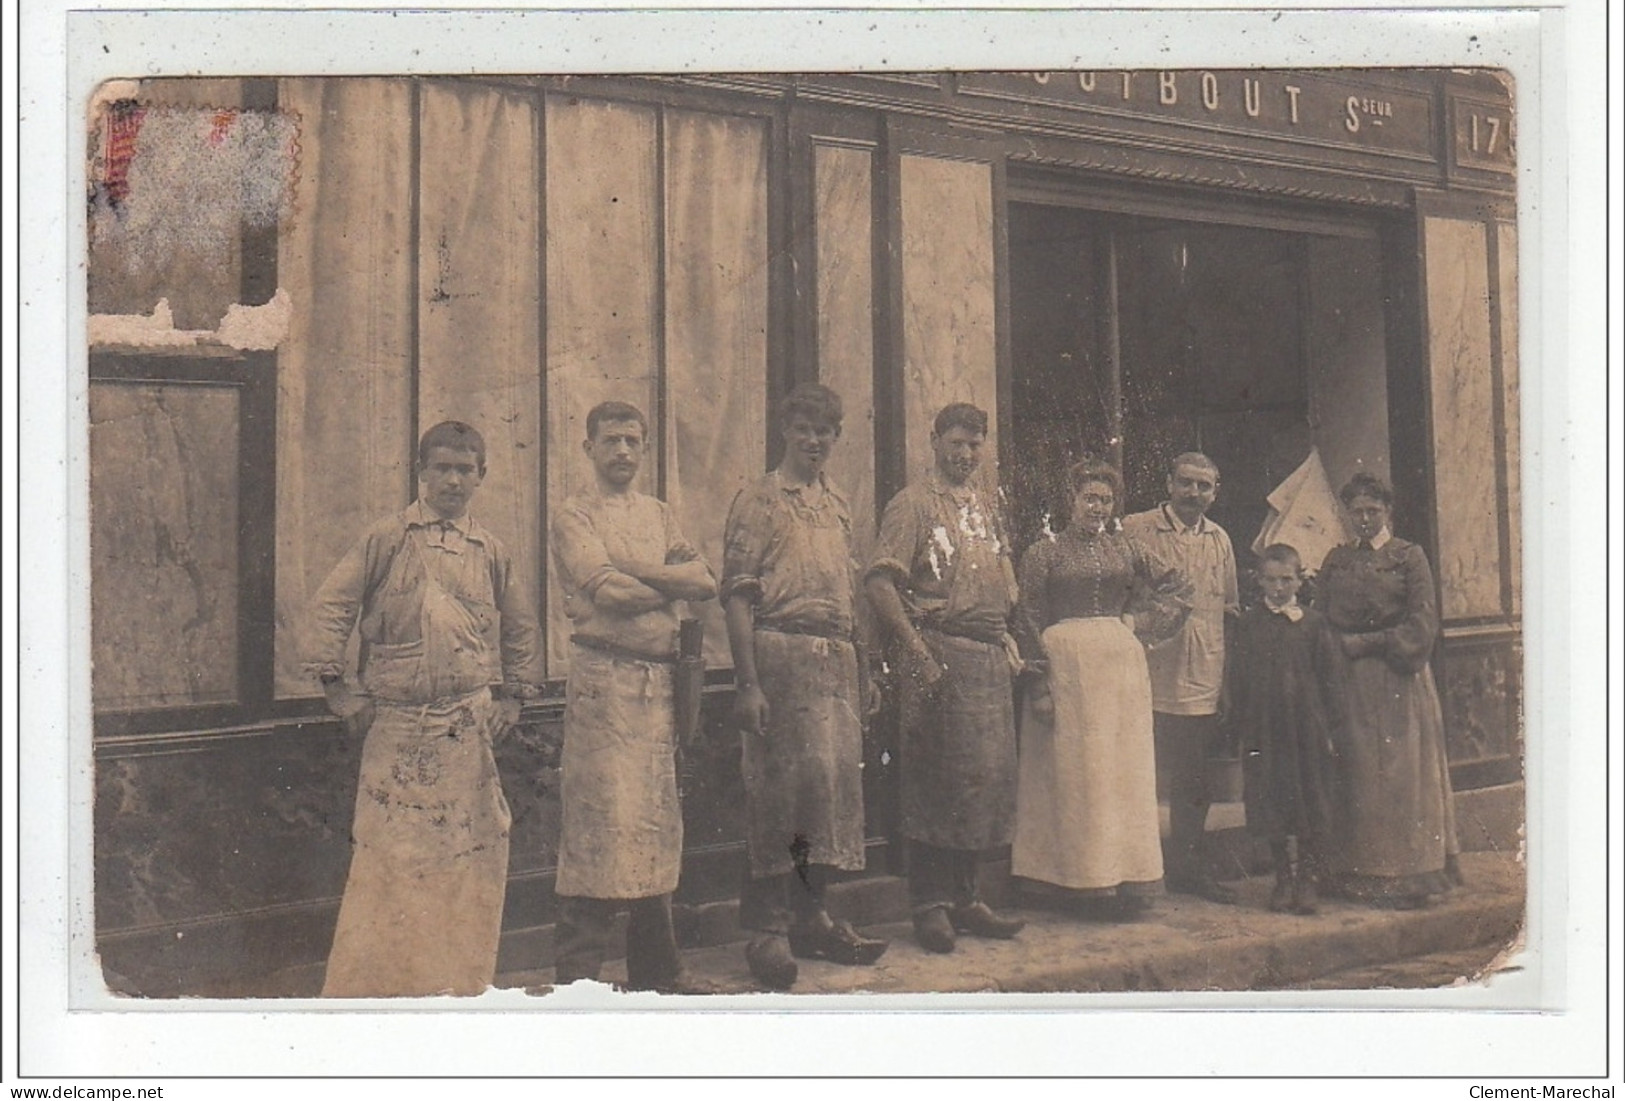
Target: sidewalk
x: 1185, y: 943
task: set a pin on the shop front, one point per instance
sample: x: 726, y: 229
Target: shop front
x: 1253, y: 264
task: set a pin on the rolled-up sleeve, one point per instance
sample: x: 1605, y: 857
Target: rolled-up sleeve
x: 745, y: 539
x: 898, y: 541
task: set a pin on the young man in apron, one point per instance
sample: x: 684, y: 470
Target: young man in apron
x: 1187, y: 670
x: 623, y: 567
x: 943, y: 588
x: 787, y: 583
x: 448, y: 653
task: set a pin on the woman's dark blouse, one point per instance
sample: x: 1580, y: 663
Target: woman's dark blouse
x: 1383, y: 599
x: 1075, y: 575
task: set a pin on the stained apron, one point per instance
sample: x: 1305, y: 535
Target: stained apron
x: 958, y: 759
x: 621, y: 834
x: 422, y: 909
x: 804, y: 772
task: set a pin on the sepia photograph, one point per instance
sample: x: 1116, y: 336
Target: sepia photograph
x: 821, y: 532
x: 811, y: 543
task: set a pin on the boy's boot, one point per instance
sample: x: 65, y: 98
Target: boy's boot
x: 1304, y: 900
x: 1281, y: 896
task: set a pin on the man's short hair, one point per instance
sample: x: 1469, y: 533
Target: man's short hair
x: 454, y: 436
x: 816, y: 402
x: 614, y: 411
x: 1193, y: 458
x: 961, y: 414
x: 1282, y: 552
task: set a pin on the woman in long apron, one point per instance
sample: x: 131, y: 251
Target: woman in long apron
x: 1086, y: 801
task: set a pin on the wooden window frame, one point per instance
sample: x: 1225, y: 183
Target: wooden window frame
x: 253, y: 376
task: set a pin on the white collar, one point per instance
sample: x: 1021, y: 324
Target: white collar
x: 1290, y: 609
x: 1379, y: 540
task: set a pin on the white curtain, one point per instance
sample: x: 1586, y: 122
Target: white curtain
x: 602, y: 272
x: 479, y: 298
x: 716, y: 329
x: 344, y: 373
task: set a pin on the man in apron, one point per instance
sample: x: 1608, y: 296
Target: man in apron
x: 1187, y: 670
x: 448, y: 653
x: 943, y: 589
x: 623, y: 567
x: 787, y: 583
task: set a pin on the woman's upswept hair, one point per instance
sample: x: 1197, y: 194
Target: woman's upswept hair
x: 1365, y: 484
x: 1092, y: 469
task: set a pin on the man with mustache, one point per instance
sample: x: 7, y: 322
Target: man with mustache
x: 1187, y: 670
x: 787, y: 586
x: 448, y: 652
x: 623, y: 565
x: 943, y: 588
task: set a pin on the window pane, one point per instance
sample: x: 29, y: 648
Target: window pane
x: 1463, y: 397
x: 163, y: 541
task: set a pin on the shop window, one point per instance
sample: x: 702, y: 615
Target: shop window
x: 1136, y: 339
x: 179, y: 540
x: 1212, y: 360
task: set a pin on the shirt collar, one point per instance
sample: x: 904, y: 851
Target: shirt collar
x: 1378, y: 541
x: 787, y: 486
x: 1291, y: 610
x: 420, y: 515
x: 1172, y: 522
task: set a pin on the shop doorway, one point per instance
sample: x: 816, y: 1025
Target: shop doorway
x: 1136, y: 338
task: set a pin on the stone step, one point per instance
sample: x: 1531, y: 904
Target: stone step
x: 1184, y: 944
x: 1493, y: 900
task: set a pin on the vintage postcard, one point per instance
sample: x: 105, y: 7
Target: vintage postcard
x: 995, y: 536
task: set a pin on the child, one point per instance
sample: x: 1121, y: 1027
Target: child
x: 1279, y: 708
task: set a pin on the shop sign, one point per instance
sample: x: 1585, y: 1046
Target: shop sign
x: 1304, y: 107
x: 1483, y: 135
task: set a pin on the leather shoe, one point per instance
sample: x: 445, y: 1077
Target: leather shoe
x: 1203, y: 886
x: 933, y: 930
x: 979, y: 920
x: 835, y: 941
x: 768, y: 958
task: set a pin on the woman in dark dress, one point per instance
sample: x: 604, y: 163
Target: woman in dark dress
x: 1395, y: 843
x: 1086, y: 800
